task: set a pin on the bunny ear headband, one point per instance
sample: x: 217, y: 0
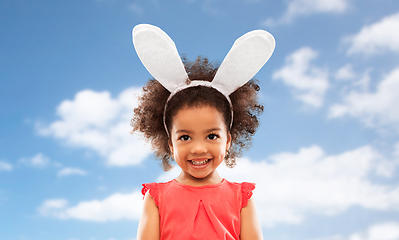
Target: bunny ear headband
x: 159, y: 55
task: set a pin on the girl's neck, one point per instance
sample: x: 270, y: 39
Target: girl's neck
x: 187, y: 179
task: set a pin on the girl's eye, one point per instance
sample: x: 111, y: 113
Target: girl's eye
x: 212, y: 136
x: 185, y: 138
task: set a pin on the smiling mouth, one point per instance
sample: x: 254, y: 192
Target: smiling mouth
x: 199, y: 163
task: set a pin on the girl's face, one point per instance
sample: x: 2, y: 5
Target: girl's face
x: 199, y: 141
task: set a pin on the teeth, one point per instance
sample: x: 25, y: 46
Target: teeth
x: 200, y: 162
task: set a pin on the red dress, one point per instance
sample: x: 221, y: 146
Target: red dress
x: 200, y: 212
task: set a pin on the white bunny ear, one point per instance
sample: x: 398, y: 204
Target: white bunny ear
x: 159, y: 55
x: 247, y: 56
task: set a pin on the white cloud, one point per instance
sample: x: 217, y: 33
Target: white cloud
x: 380, y: 231
x: 376, y: 38
x: 297, y: 8
x: 375, y: 109
x: 95, y: 121
x: 37, y: 161
x: 383, y: 231
x: 364, y: 82
x: 346, y: 73
x: 71, y: 171
x: 51, y: 205
x: 291, y: 186
x: 5, y: 166
x: 115, y: 207
x: 308, y: 82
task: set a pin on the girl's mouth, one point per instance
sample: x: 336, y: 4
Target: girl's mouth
x: 199, y: 163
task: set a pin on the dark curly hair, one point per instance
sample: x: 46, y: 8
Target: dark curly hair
x: 148, y: 116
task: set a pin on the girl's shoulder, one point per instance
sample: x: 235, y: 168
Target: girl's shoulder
x: 245, y: 190
x: 153, y: 189
x: 242, y: 184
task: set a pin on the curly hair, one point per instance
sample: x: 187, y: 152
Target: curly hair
x: 148, y: 116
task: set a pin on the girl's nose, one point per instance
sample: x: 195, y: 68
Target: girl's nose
x: 198, y: 147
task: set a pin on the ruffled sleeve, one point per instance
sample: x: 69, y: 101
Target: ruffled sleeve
x: 246, y: 190
x: 153, y: 188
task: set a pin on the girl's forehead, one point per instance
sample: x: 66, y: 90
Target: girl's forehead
x: 197, y: 117
x: 203, y: 109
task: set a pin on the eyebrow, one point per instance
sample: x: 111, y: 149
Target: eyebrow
x: 188, y: 131
x: 214, y: 129
x: 183, y: 131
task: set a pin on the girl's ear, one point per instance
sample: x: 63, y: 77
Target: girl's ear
x: 170, y: 145
x: 228, y: 143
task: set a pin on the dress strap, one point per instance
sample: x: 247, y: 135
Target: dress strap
x: 153, y: 188
x: 246, y: 189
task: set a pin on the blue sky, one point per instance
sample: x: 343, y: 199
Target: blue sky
x: 325, y: 158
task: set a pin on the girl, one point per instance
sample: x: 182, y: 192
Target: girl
x: 199, y: 115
